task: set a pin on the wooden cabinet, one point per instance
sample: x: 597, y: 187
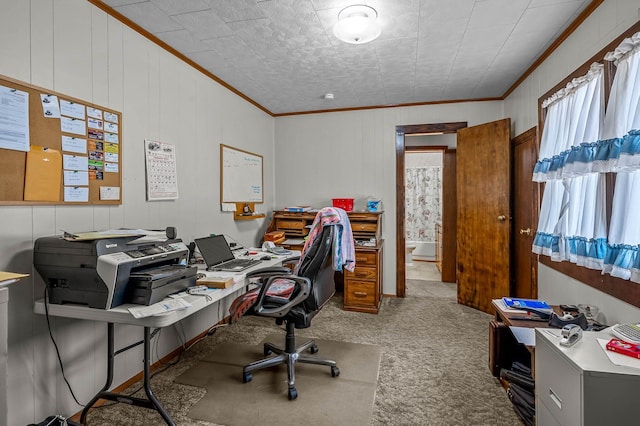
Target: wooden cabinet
x: 363, y: 286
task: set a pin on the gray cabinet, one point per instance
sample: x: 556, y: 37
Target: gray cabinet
x: 580, y: 385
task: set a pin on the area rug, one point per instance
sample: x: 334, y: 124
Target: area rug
x: 322, y: 399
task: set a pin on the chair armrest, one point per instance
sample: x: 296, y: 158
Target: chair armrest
x: 304, y: 290
x: 269, y: 271
x: 291, y: 259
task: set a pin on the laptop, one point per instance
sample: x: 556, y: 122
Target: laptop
x: 218, y: 256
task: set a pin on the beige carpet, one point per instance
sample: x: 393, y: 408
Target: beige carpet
x: 322, y: 399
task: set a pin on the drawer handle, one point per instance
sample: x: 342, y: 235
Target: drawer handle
x: 555, y: 398
x: 361, y: 259
x: 359, y: 294
x: 361, y: 274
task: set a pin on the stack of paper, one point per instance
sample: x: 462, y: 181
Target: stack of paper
x: 167, y: 305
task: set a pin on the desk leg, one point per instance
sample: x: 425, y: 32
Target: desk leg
x: 151, y: 403
x: 147, y: 379
x: 107, y: 385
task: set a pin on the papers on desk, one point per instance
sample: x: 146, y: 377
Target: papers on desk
x: 294, y: 241
x: 7, y: 278
x: 524, y: 335
x: 163, y: 307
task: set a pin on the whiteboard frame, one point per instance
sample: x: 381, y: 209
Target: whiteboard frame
x: 233, y: 198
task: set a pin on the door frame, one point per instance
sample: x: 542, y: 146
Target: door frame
x: 401, y: 131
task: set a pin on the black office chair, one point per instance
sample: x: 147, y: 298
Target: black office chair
x: 314, y: 286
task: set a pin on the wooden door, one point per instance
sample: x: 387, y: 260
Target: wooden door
x: 483, y: 246
x: 526, y: 198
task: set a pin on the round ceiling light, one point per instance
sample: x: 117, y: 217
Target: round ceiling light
x: 357, y: 24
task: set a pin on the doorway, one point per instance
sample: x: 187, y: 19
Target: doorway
x: 448, y: 205
x: 423, y: 202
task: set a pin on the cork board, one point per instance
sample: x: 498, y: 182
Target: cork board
x: 72, y: 154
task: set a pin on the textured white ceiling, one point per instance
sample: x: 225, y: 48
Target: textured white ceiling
x: 282, y: 54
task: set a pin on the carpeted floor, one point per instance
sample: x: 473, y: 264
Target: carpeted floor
x: 321, y: 398
x: 433, y: 371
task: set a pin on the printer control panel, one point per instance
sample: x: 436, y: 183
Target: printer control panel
x: 149, y: 251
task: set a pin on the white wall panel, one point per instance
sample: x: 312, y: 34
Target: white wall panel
x: 15, y: 38
x: 99, y: 57
x: 41, y: 52
x: 72, y: 48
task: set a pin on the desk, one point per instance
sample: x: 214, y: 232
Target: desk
x: 503, y: 347
x: 121, y: 315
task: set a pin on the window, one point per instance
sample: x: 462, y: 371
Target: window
x: 590, y: 164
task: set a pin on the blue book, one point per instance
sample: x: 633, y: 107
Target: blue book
x: 516, y: 303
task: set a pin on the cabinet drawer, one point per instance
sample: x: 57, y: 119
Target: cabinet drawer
x: 365, y: 258
x: 359, y: 293
x: 558, y: 385
x: 364, y: 227
x: 362, y: 273
x: 289, y: 224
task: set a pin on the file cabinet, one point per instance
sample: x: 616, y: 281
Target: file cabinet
x: 579, y: 385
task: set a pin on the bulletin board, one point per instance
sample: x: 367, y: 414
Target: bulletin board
x: 56, y: 149
x: 240, y: 176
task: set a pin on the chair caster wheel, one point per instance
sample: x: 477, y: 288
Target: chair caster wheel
x: 313, y: 349
x: 267, y: 352
x: 335, y: 371
x: 246, y: 377
x: 293, y: 394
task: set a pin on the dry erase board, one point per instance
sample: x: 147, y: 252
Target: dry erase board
x: 56, y: 149
x: 240, y: 176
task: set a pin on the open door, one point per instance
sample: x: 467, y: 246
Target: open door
x: 483, y: 179
x: 526, y: 203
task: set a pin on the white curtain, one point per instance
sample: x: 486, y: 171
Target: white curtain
x: 622, y: 128
x: 423, y: 205
x: 572, y: 222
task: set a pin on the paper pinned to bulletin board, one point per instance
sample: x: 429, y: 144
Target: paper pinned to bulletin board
x: 42, y: 174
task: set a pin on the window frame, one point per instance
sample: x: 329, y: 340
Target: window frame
x: 625, y: 290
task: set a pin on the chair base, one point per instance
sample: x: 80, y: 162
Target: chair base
x: 289, y: 356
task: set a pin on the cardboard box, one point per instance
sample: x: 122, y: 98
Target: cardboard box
x: 216, y: 282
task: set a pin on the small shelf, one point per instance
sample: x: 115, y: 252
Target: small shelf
x: 241, y: 214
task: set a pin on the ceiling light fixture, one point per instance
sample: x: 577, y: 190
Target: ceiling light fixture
x: 357, y: 24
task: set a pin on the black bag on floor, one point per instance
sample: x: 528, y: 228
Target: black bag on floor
x: 523, y: 401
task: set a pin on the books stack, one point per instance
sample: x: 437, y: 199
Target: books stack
x: 517, y: 303
x: 534, y: 306
x: 297, y: 209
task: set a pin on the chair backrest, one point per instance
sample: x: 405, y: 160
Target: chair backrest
x: 317, y: 265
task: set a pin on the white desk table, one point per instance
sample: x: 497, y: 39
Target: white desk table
x: 121, y: 315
